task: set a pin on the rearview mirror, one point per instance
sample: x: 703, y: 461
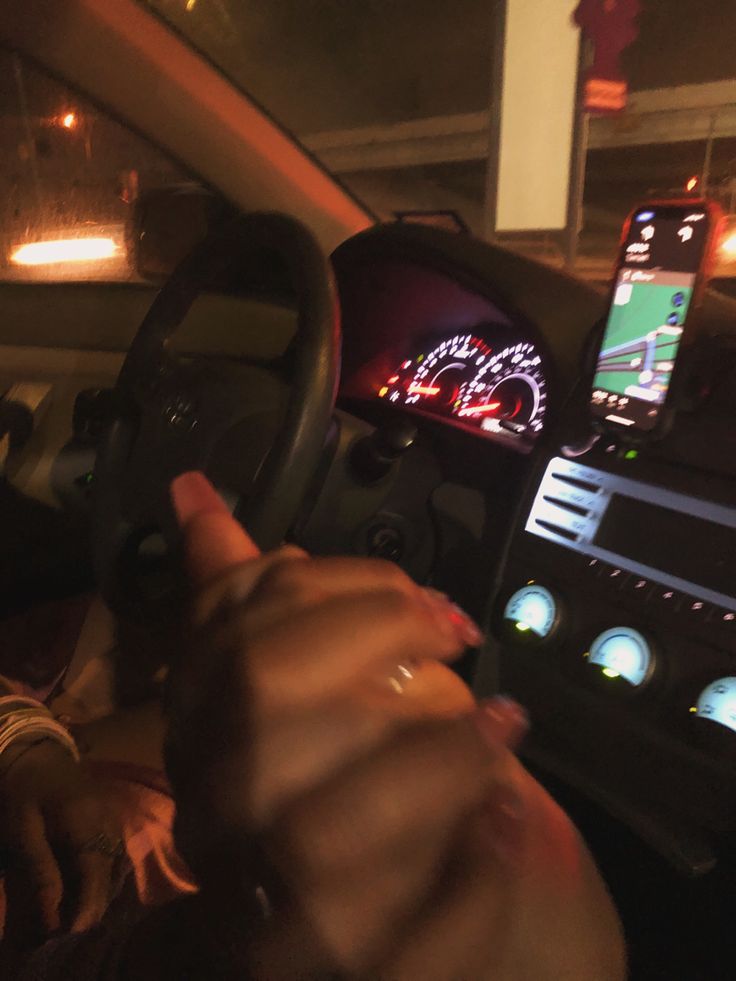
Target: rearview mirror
x: 165, y: 225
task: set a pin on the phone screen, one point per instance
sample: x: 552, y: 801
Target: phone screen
x: 655, y: 283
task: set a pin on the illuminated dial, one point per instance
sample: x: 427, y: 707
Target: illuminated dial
x: 717, y: 703
x: 623, y: 652
x: 433, y: 379
x: 508, y: 394
x: 532, y: 613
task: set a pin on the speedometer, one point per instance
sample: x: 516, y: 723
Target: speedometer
x: 508, y: 393
x: 432, y: 381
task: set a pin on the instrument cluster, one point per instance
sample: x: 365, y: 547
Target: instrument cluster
x: 494, y: 388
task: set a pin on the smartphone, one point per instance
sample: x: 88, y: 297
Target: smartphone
x: 666, y: 259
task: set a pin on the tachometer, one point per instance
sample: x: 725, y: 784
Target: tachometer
x: 508, y: 393
x: 433, y: 379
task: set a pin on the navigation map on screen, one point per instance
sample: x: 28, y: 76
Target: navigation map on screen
x: 651, y: 300
x: 643, y: 335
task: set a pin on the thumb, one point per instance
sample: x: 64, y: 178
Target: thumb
x: 34, y: 886
x: 213, y: 540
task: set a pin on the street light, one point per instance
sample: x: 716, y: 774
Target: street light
x: 82, y: 249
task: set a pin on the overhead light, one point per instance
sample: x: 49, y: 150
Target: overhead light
x: 69, y: 120
x: 64, y: 250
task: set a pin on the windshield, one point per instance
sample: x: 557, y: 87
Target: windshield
x: 403, y: 101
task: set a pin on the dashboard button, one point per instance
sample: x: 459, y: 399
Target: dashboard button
x: 639, y: 587
x: 695, y: 610
x: 593, y: 566
x: 724, y: 618
x: 615, y: 576
x: 667, y: 599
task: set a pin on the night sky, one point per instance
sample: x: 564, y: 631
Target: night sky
x: 326, y: 64
x: 332, y: 64
x: 683, y: 42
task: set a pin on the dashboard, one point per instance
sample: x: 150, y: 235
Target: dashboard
x: 485, y: 380
x: 615, y: 620
x: 431, y: 340
x: 604, y: 575
x: 609, y: 585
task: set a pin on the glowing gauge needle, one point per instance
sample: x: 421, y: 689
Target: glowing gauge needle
x: 472, y: 410
x: 423, y: 390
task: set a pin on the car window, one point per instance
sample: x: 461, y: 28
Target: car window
x: 399, y: 99
x: 70, y: 178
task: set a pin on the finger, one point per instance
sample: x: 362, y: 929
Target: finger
x: 213, y: 540
x: 420, y: 690
x: 283, y: 586
x: 503, y: 720
x: 292, y: 586
x: 331, y: 576
x: 289, y: 587
x: 252, y: 778
x: 366, y: 848
x: 464, y: 929
x: 238, y: 583
x: 303, y: 749
x: 40, y: 882
x: 423, y: 778
x: 302, y: 658
x: 93, y: 872
x: 200, y: 678
x: 74, y: 825
x: 292, y: 753
x: 295, y: 665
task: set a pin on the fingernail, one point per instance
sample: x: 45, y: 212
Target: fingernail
x: 453, y: 619
x: 467, y: 628
x: 192, y: 494
x: 502, y: 721
x: 506, y: 826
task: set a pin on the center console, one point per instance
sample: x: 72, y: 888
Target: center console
x: 615, y: 625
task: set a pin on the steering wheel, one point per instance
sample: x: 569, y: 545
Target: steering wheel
x: 257, y: 435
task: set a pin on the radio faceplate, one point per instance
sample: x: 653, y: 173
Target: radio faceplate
x: 609, y: 518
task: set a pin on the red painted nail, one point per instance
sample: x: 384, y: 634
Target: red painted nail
x: 467, y: 628
x: 452, y: 618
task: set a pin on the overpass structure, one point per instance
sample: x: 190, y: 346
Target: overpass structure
x: 654, y: 116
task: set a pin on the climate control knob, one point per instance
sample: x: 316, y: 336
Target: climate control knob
x: 532, y: 614
x: 717, y: 703
x: 623, y: 652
